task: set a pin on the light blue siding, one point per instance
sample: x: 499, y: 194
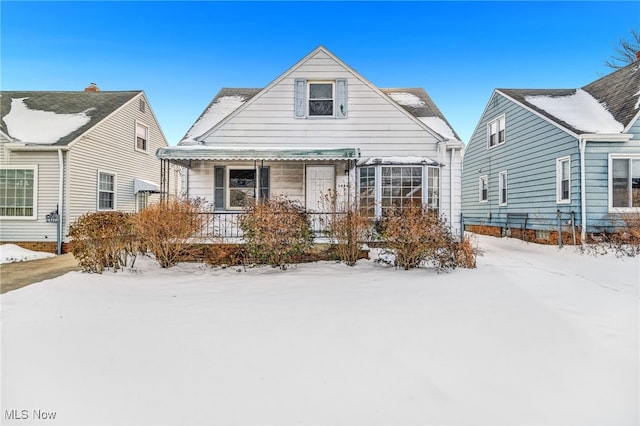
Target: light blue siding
x: 529, y: 155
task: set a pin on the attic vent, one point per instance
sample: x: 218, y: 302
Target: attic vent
x: 92, y: 88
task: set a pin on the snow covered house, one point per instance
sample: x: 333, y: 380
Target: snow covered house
x: 547, y: 161
x: 322, y: 126
x: 63, y: 154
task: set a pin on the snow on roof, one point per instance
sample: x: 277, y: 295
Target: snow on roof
x: 408, y: 160
x: 439, y: 125
x: 580, y: 110
x: 216, y: 112
x: 41, y: 127
x: 408, y: 99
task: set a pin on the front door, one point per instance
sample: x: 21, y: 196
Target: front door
x: 320, y: 179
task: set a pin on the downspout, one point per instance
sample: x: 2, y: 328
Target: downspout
x: 451, y: 186
x: 583, y: 191
x: 60, y: 197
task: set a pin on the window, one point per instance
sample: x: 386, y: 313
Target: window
x: 502, y: 188
x: 320, y: 99
x: 143, y: 105
x: 483, y: 189
x: 385, y: 187
x: 18, y: 192
x: 106, y: 191
x: 495, y: 132
x: 242, y: 186
x: 624, y: 184
x: 367, y: 189
x: 563, y: 180
x: 142, y: 136
x: 142, y: 200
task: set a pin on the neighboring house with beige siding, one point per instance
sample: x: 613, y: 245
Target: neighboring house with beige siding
x: 63, y: 154
x: 322, y: 126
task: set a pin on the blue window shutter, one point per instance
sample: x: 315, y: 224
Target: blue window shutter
x: 300, y: 96
x: 341, y: 98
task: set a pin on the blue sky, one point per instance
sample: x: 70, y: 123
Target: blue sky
x: 182, y: 53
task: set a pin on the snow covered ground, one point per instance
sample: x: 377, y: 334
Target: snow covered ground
x: 12, y: 253
x: 534, y: 335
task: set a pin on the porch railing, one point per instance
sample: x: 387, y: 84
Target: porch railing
x: 225, y: 226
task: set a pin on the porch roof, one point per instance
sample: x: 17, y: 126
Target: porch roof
x: 204, y: 152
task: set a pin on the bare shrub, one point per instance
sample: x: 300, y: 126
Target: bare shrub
x: 102, y: 240
x: 466, y: 253
x: 276, y: 231
x: 625, y: 241
x: 347, y: 227
x: 415, y: 236
x: 166, y: 228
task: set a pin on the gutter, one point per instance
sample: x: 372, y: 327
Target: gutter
x: 582, y: 142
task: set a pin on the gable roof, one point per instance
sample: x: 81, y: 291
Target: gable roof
x: 607, y: 105
x: 414, y: 101
x: 56, y: 118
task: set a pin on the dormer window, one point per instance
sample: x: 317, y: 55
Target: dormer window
x: 321, y: 99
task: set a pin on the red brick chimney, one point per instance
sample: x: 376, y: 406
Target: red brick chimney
x: 92, y: 88
x: 638, y: 55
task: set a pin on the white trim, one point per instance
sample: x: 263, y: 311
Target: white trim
x: 227, y: 195
x: 559, y: 161
x: 486, y: 180
x: 612, y: 157
x: 502, y: 118
x: 115, y: 191
x: 308, y: 99
x: 135, y: 136
x: 503, y: 185
x: 33, y: 167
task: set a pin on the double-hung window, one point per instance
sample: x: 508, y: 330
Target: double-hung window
x: 624, y: 181
x: 106, y: 191
x: 483, y: 189
x: 18, y: 192
x: 142, y: 137
x: 496, y: 132
x: 502, y: 188
x: 563, y: 180
x: 320, y: 99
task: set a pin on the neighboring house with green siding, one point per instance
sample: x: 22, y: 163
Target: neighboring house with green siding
x: 555, y: 160
x: 63, y: 154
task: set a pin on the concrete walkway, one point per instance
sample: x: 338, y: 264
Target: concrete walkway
x: 19, y: 274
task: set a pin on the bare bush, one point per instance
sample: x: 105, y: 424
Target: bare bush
x: 347, y: 227
x: 416, y: 236
x: 276, y: 231
x: 102, y: 240
x: 166, y: 228
x: 625, y: 241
